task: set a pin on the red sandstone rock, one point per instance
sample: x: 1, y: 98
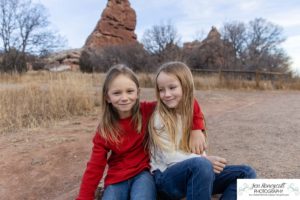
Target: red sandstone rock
x: 212, y: 51
x: 116, y: 26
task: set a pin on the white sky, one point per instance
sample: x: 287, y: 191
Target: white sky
x: 76, y: 19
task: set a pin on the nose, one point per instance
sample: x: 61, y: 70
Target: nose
x: 124, y: 97
x: 167, y: 93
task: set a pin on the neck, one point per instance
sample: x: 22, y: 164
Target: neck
x: 123, y: 115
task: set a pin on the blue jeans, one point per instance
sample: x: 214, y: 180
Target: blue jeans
x: 226, y: 182
x: 139, y: 187
x: 192, y: 178
x: 195, y: 179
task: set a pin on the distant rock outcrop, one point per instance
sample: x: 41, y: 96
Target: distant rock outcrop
x: 191, y: 45
x: 213, y: 37
x: 116, y: 26
x: 212, y: 52
x: 64, y: 60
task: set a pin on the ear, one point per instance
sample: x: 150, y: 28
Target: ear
x: 107, y: 99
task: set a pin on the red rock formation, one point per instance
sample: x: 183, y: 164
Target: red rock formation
x: 191, y: 45
x: 213, y: 37
x: 212, y: 52
x: 116, y: 26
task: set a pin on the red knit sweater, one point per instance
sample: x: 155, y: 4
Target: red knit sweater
x: 127, y: 159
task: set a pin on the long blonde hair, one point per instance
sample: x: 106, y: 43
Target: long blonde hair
x: 169, y: 115
x: 108, y: 127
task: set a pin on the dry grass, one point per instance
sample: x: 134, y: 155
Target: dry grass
x: 215, y: 82
x: 38, y: 98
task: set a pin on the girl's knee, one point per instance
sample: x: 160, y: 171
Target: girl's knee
x: 201, y: 162
x: 202, y: 167
x: 249, y: 172
x: 145, y: 175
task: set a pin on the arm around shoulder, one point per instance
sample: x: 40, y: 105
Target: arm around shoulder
x: 198, y: 135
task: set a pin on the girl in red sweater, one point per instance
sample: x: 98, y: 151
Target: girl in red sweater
x: 121, y: 131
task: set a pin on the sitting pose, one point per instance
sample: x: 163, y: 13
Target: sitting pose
x: 121, y: 131
x: 177, y: 171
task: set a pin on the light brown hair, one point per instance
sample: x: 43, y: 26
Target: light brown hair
x: 168, y: 115
x: 108, y: 127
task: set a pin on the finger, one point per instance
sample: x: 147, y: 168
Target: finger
x: 197, y: 149
x: 217, y: 168
x: 222, y: 160
x: 205, y: 146
x: 201, y: 148
x: 217, y: 171
x: 219, y: 164
x: 194, y: 150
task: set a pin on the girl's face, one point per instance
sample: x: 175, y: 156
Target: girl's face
x: 122, y: 94
x: 170, y: 90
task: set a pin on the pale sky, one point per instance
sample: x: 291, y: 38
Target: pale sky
x: 76, y: 19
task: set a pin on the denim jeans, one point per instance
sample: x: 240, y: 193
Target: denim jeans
x: 226, y: 182
x: 192, y: 178
x: 195, y: 179
x: 139, y: 187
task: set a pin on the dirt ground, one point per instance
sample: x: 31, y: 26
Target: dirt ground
x: 259, y: 128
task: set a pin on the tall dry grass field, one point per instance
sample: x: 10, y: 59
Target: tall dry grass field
x: 215, y: 82
x: 38, y: 99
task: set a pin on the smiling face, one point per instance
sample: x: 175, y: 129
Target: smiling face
x: 122, y: 94
x: 170, y: 89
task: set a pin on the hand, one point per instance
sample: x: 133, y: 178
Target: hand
x: 217, y: 162
x: 197, y: 142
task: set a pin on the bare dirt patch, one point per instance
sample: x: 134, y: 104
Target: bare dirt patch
x: 260, y: 128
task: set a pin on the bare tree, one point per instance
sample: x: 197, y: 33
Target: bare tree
x: 162, y: 41
x: 257, y: 45
x: 235, y: 33
x: 24, y: 29
x: 263, y: 41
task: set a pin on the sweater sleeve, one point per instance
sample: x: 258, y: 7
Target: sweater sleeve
x: 198, y: 119
x: 148, y: 106
x: 94, y: 170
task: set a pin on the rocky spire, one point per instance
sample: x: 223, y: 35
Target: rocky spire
x: 116, y: 26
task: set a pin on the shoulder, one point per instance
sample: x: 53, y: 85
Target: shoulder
x: 157, y: 119
x: 196, y: 107
x: 99, y: 140
x: 198, y: 119
x: 196, y: 103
